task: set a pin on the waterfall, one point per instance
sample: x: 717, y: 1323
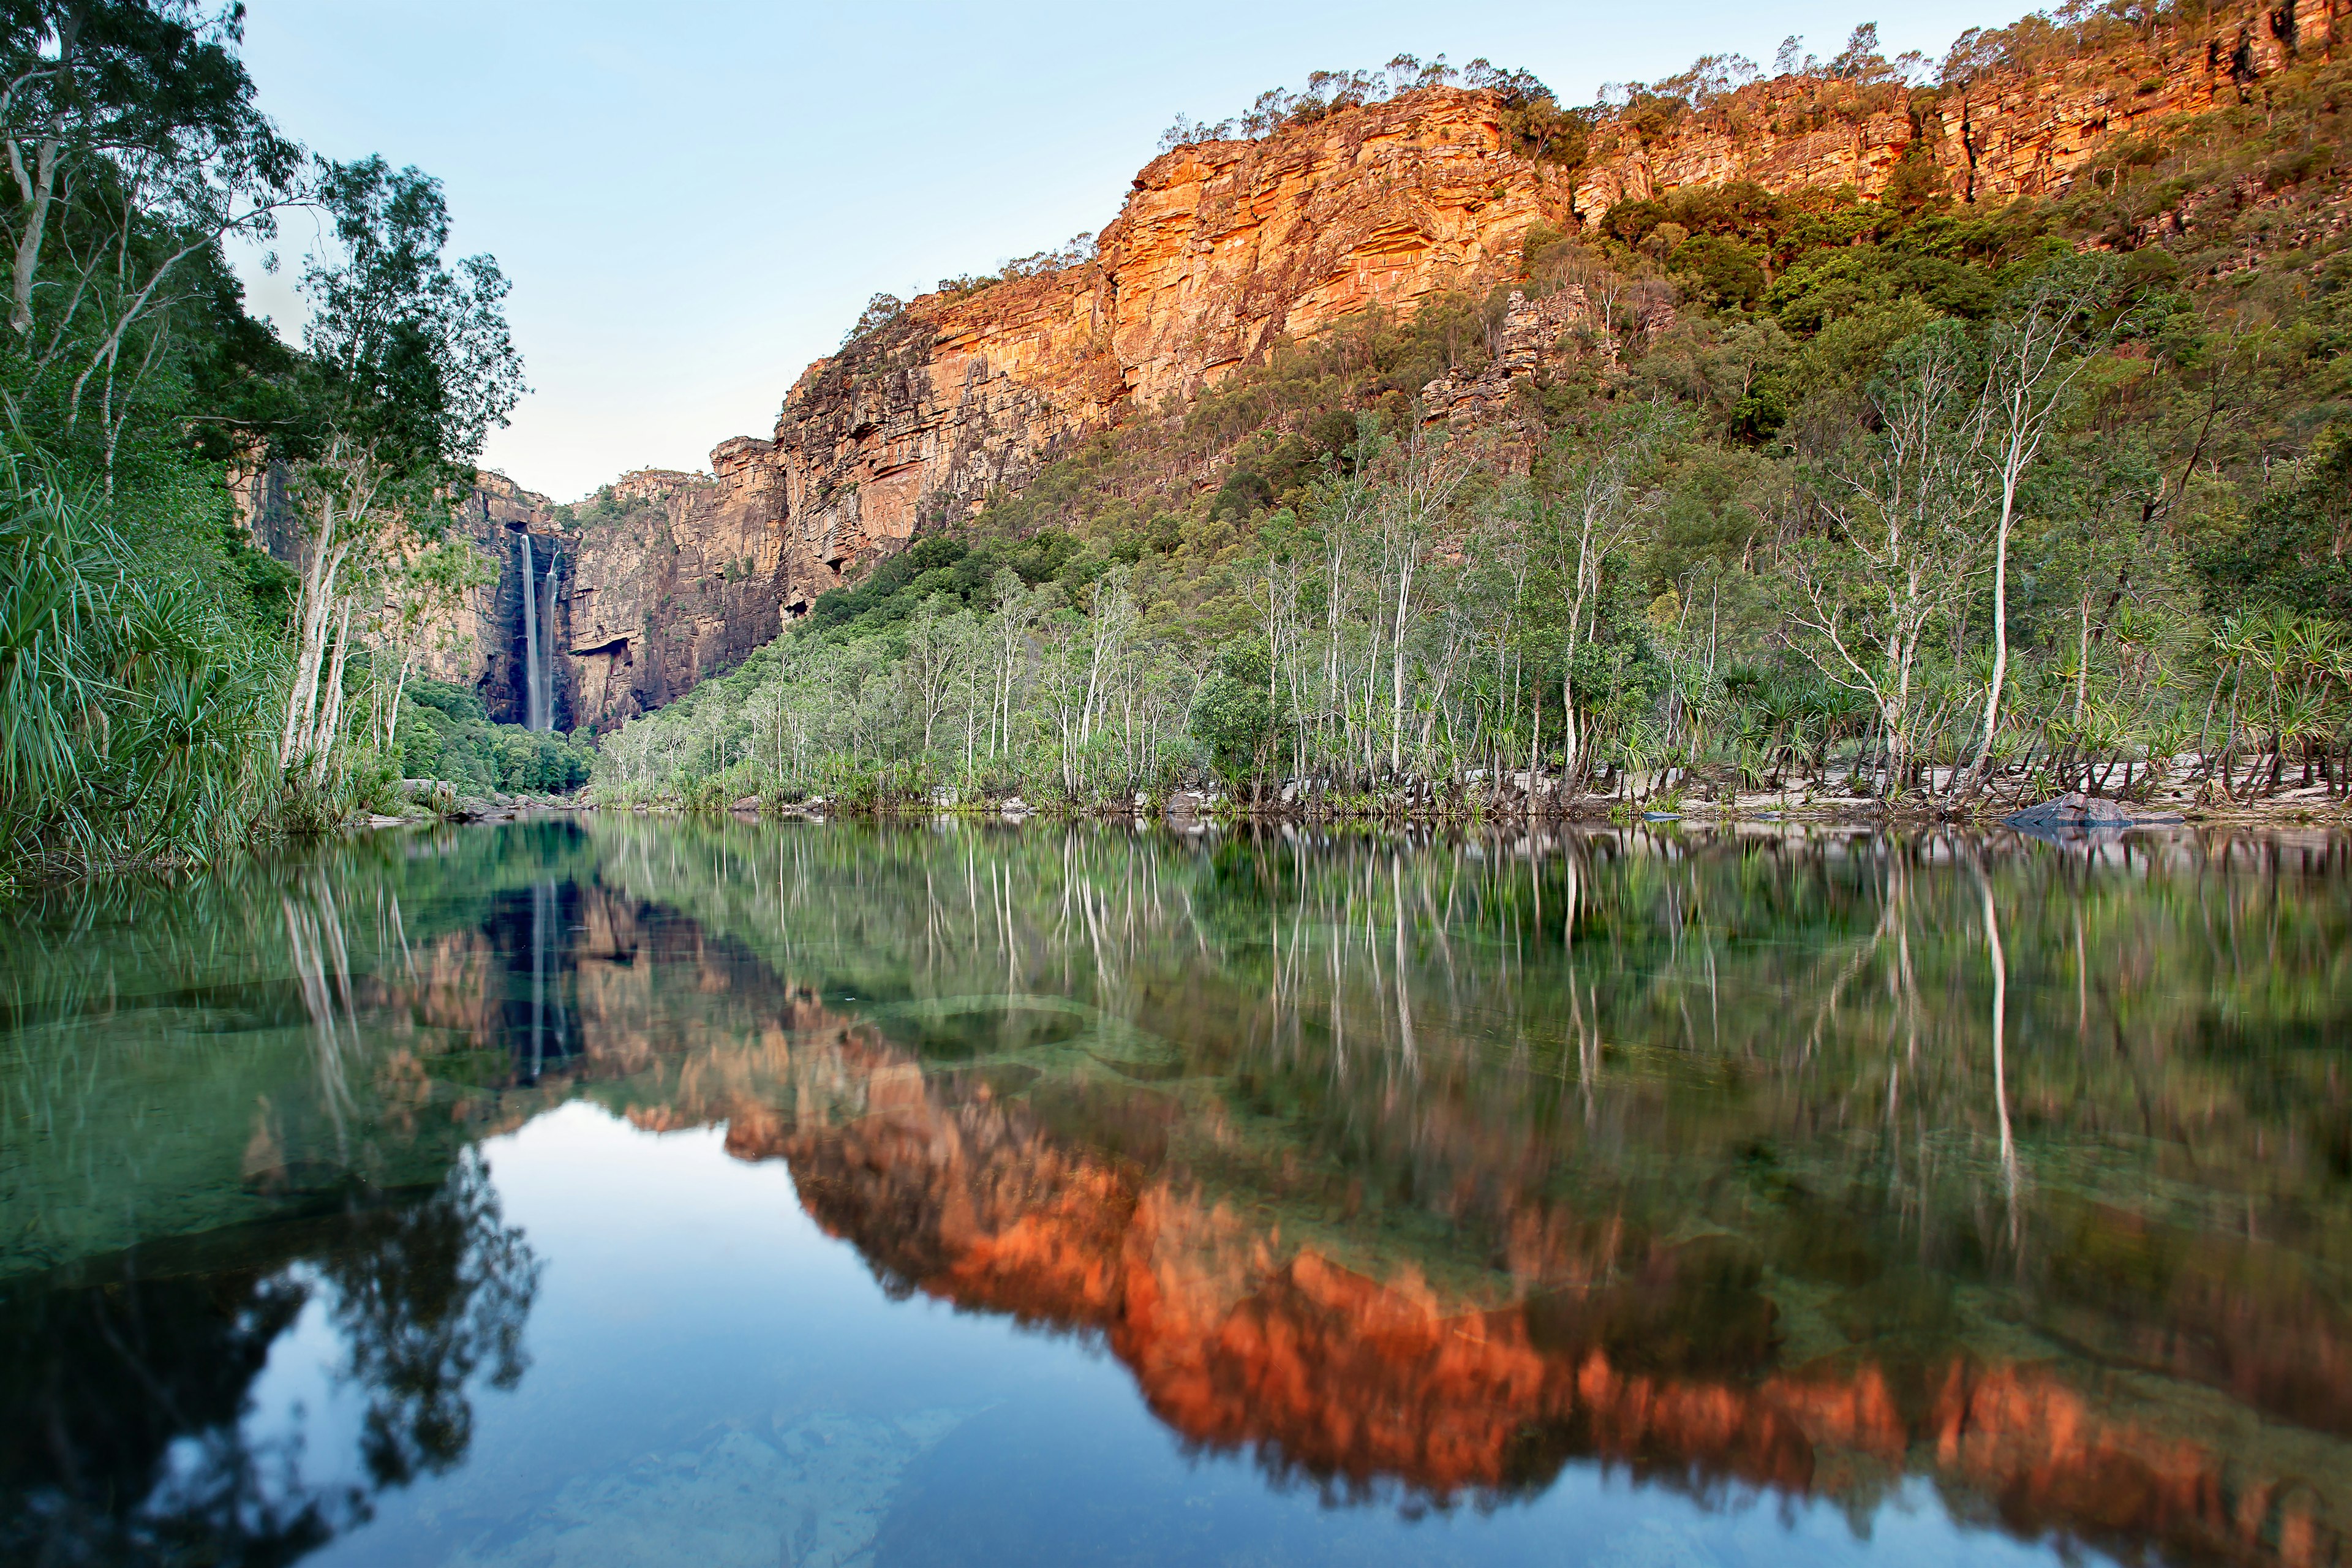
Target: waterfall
x: 534, y: 676
x: 547, y: 641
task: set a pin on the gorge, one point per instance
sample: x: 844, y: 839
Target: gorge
x: 1514, y: 833
x: 1223, y: 250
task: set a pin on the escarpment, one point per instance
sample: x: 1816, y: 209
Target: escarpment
x: 1222, y: 248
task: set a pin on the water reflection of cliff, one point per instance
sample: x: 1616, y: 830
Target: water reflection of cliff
x: 1252, y: 1321
x: 1664, y: 1356
x: 1340, y: 1228
x: 1415, y: 1175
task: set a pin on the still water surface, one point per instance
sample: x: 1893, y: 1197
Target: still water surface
x: 634, y: 1191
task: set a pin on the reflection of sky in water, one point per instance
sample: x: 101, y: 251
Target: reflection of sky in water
x: 580, y: 1195
x: 714, y: 1380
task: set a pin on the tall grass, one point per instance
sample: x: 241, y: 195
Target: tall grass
x: 135, y: 708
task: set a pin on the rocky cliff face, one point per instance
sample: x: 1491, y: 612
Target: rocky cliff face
x: 664, y: 578
x: 2009, y: 131
x: 680, y: 575
x: 1223, y: 246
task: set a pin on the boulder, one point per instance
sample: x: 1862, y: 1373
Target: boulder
x: 2077, y: 813
x: 1185, y: 806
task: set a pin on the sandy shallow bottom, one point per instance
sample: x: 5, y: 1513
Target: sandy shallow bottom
x: 813, y: 1494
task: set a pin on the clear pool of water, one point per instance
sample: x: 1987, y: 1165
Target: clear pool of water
x: 615, y: 1191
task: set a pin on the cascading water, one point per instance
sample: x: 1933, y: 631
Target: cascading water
x: 547, y: 640
x: 534, y: 673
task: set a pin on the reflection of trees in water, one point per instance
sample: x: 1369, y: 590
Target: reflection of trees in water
x: 331, y: 1010
x: 425, y: 1299
x: 125, y: 1401
x: 1478, y: 1017
x: 1520, y: 1067
x: 1797, y: 1165
x: 322, y: 969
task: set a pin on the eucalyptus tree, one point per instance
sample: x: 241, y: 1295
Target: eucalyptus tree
x: 1902, y: 548
x: 1336, y: 518
x: 419, y: 614
x: 409, y: 365
x: 1592, y: 500
x: 1424, y: 475
x: 938, y: 645
x: 134, y: 150
x: 88, y: 81
x: 1018, y: 608
x: 2034, y: 354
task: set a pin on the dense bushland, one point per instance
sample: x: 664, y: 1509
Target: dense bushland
x: 168, y: 690
x: 1907, y: 499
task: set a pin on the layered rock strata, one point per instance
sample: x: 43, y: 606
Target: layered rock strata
x: 1222, y: 248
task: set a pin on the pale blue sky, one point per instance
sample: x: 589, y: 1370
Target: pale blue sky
x: 693, y: 200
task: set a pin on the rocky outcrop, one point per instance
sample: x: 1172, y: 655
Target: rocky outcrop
x: 481, y: 642
x: 1223, y: 248
x: 2009, y: 130
x: 681, y: 575
x: 2076, y: 816
x: 1530, y: 332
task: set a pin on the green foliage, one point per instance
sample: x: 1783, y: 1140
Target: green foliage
x: 149, y: 636
x: 1233, y: 716
x: 1538, y: 125
x: 461, y: 703
x: 1721, y: 271
x: 930, y: 567
x: 409, y: 357
x: 2294, y: 551
x: 445, y: 734
x: 132, y: 700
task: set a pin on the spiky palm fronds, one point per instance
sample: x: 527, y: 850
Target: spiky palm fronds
x: 132, y: 710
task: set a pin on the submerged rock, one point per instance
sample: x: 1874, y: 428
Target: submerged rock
x: 2076, y: 813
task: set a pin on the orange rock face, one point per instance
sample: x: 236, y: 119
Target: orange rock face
x: 2007, y: 133
x: 1223, y: 246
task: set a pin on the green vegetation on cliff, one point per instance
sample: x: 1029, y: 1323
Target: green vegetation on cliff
x: 1901, y: 497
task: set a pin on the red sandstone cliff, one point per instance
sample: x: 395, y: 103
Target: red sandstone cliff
x: 1223, y: 246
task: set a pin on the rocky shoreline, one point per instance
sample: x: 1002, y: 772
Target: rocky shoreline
x: 2067, y: 815
x: 2057, y: 819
